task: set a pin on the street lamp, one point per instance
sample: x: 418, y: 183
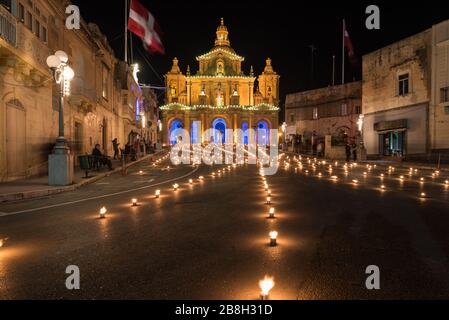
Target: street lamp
x: 61, y: 162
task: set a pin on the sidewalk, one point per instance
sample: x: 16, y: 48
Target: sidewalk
x: 38, y: 186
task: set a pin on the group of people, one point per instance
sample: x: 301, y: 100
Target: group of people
x: 351, y: 149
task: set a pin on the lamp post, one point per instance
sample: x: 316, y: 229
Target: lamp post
x: 60, y: 163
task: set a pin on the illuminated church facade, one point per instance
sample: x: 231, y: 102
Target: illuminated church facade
x: 220, y: 96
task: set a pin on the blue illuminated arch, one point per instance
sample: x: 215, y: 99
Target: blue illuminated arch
x: 245, y: 132
x: 219, y: 126
x: 175, y: 124
x: 263, y: 132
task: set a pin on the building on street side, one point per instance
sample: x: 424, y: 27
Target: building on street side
x: 396, y: 98
x: 332, y: 111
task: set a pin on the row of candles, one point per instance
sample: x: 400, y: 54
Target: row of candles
x: 267, y: 283
x: 314, y: 163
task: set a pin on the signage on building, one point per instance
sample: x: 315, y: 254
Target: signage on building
x: 391, y: 125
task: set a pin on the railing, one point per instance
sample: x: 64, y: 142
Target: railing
x: 8, y: 26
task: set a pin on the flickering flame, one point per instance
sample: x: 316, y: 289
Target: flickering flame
x: 175, y: 186
x: 271, y: 211
x: 134, y: 201
x: 201, y: 178
x: 157, y: 193
x: 273, y: 234
x: 190, y: 181
x: 382, y: 187
x: 355, y: 181
x: 103, y: 211
x: 423, y: 195
x: 266, y: 285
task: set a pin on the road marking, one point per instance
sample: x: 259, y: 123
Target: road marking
x: 98, y: 197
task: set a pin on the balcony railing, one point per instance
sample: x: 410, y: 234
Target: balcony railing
x: 8, y: 26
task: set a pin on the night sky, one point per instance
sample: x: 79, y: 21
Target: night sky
x: 281, y: 30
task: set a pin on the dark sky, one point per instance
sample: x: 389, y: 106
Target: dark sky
x: 282, y: 30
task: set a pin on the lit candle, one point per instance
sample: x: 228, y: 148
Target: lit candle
x: 268, y: 200
x: 422, y: 179
x: 446, y: 182
x: 382, y: 187
x: 201, y: 178
x: 269, y: 192
x: 273, y: 238
x: 271, y: 213
x: 190, y: 181
x: 157, y: 194
x: 175, y: 186
x: 140, y: 172
x: 134, y: 202
x: 355, y: 181
x: 423, y: 195
x: 265, y: 286
x: 103, y: 211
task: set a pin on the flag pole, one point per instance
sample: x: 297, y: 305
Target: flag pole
x: 126, y: 31
x: 343, y: 55
x: 333, y: 70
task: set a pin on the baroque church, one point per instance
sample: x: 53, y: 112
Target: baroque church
x: 220, y: 96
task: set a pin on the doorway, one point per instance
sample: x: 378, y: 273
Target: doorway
x: 392, y: 143
x: 15, y: 140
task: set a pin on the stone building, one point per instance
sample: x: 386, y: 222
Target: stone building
x: 331, y: 111
x: 396, y: 98
x: 104, y: 101
x: 439, y: 94
x: 220, y: 96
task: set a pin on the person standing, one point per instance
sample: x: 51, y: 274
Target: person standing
x: 348, y: 152
x: 115, y: 145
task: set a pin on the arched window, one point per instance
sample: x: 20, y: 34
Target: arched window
x: 173, y: 136
x: 263, y: 132
x: 219, y: 127
x: 245, y: 132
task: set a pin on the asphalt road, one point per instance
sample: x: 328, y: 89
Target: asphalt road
x: 209, y: 240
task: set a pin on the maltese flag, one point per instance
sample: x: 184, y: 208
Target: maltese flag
x: 142, y: 23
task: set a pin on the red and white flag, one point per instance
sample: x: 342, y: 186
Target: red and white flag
x: 142, y: 23
x: 349, y: 47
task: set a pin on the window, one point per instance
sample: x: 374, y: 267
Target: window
x: 37, y: 28
x: 344, y: 109
x: 21, y: 12
x: 292, y: 118
x: 105, y: 82
x: 44, y: 34
x: 444, y: 94
x: 403, y: 84
x: 446, y: 110
x: 315, y: 113
x: 29, y: 20
x: 358, y: 109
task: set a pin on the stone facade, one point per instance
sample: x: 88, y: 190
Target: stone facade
x: 104, y: 101
x: 396, y: 97
x: 332, y: 111
x: 439, y: 106
x: 219, y: 95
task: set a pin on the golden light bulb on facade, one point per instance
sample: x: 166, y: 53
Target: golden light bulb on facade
x: 103, y: 211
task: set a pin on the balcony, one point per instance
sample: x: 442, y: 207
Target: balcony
x: 8, y: 27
